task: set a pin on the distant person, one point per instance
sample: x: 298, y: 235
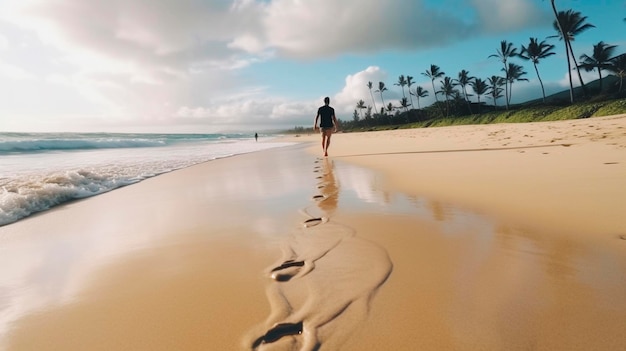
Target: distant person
x: 256, y: 137
x: 328, y: 123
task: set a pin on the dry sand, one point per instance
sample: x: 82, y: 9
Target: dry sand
x: 461, y: 238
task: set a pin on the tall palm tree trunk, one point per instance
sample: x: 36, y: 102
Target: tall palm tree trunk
x: 373, y: 101
x: 600, y: 78
x: 469, y: 105
x: 506, y: 87
x: 434, y: 91
x: 543, y: 91
x: 569, y: 65
x: 580, y: 77
x: 569, y: 72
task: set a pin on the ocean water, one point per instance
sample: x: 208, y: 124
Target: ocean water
x: 41, y: 170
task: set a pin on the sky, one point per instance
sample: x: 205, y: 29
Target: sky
x: 206, y: 66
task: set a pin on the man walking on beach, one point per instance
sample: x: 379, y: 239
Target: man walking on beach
x: 328, y: 123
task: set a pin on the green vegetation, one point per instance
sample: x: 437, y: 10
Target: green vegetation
x: 537, y: 113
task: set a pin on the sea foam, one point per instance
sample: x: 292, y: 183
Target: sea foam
x: 40, y: 171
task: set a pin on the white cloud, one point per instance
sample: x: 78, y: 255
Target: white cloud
x: 327, y: 27
x: 173, y: 60
x: 14, y: 72
x: 4, y: 43
x: 157, y: 30
x: 586, y: 76
x: 252, y: 112
x: 498, y: 16
x: 356, y: 89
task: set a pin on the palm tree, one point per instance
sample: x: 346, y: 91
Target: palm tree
x: 355, y: 116
x: 368, y: 114
x: 480, y: 88
x: 495, y: 88
x: 447, y: 90
x: 405, y: 103
x: 569, y: 24
x: 370, y: 86
x: 535, y: 52
x: 600, y: 59
x: 514, y: 73
x: 561, y: 35
x: 505, y: 52
x: 381, y: 88
x: 401, y: 83
x: 419, y: 92
x: 390, y: 108
x: 618, y: 66
x: 464, y: 80
x: 434, y: 73
x: 361, y: 105
x: 409, y: 82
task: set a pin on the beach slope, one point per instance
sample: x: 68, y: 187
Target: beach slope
x: 485, y: 237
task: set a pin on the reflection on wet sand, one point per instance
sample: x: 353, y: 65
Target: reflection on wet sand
x: 329, y: 188
x: 473, y: 282
x: 327, y: 273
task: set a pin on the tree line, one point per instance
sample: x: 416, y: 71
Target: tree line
x: 567, y: 24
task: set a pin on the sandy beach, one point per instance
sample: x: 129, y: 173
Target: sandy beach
x: 490, y: 237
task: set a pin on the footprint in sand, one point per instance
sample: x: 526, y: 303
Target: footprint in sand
x: 286, y: 270
x: 278, y: 332
x: 313, y: 222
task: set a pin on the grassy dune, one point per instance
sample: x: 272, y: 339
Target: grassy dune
x: 536, y: 113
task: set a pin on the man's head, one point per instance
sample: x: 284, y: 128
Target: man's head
x: 327, y: 100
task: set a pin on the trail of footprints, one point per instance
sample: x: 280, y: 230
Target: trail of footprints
x: 291, y: 268
x: 365, y: 267
x: 285, y: 272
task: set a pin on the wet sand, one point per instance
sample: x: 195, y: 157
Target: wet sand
x: 460, y: 238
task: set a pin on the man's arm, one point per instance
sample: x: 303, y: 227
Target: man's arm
x: 316, y: 118
x: 335, y: 124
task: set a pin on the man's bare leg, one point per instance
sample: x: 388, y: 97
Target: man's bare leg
x: 327, y: 144
x: 325, y: 141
